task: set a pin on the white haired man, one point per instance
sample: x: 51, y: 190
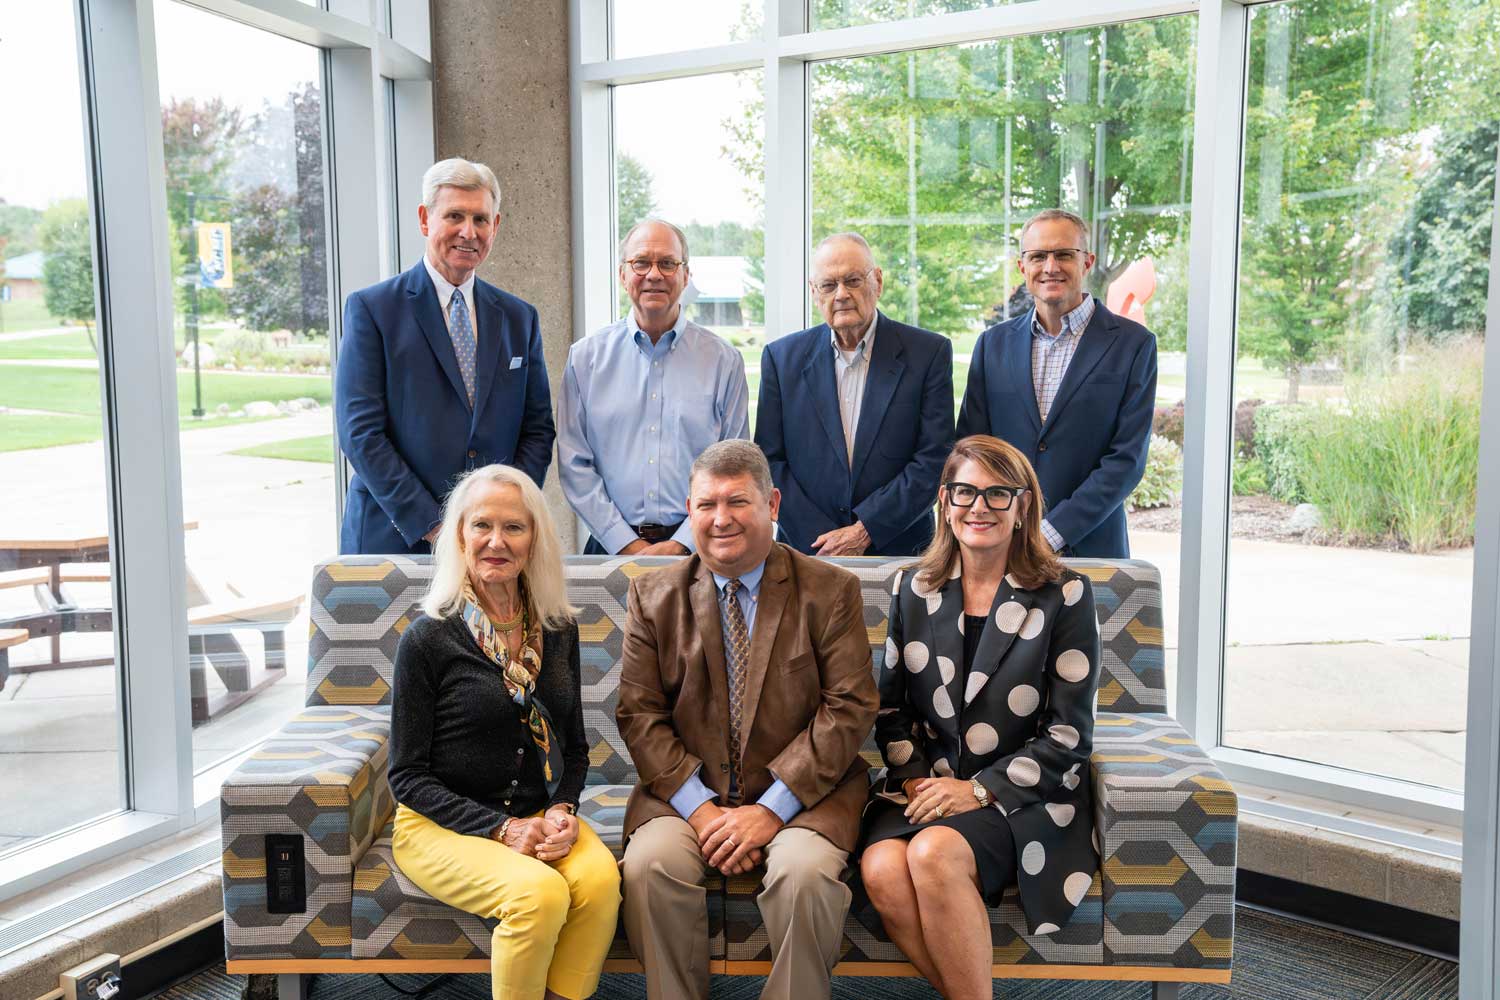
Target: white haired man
x: 438, y: 374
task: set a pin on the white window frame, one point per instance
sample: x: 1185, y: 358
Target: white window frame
x: 127, y: 198
x: 783, y: 53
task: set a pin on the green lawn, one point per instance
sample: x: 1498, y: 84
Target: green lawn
x: 26, y: 314
x: 20, y: 431
x: 318, y: 448
x: 61, y: 345
x: 76, y: 390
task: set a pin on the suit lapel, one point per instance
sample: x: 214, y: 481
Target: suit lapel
x: 1011, y: 606
x: 1018, y: 363
x: 491, y: 331
x: 775, y: 588
x: 886, y: 366
x: 823, y: 390
x: 1096, y: 341
x: 429, y: 313
x: 705, y: 600
x: 947, y: 643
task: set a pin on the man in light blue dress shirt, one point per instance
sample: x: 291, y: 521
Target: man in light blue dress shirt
x: 641, y: 399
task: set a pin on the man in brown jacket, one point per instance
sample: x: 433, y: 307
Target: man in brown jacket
x: 745, y: 693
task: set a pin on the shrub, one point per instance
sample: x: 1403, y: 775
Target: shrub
x: 243, y: 347
x: 1166, y: 422
x: 1162, y: 481
x: 1249, y: 476
x: 1402, y: 462
x: 1244, y: 426
x: 1281, y: 437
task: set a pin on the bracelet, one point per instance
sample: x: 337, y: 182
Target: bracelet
x: 503, y: 827
x: 570, y: 807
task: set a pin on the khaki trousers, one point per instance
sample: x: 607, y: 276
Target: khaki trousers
x: 803, y: 902
x: 557, y: 920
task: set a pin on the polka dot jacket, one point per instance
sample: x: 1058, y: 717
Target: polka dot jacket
x: 1022, y: 721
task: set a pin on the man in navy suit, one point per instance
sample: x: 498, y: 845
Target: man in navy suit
x: 1071, y: 385
x: 855, y: 416
x: 438, y: 373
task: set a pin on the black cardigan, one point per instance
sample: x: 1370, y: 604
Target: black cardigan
x: 461, y: 754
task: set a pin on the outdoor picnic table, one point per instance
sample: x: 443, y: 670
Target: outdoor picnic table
x: 211, y: 643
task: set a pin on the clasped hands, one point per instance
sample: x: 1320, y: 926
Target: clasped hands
x: 548, y: 837
x: 733, y: 840
x: 928, y: 799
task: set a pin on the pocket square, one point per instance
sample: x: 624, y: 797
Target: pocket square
x: 515, y: 363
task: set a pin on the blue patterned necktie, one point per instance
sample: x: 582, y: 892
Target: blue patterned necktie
x: 464, y: 345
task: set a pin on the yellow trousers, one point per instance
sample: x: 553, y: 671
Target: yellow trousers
x: 556, y: 920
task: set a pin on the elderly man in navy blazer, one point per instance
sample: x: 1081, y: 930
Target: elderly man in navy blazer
x: 855, y: 416
x: 438, y: 373
x: 1071, y: 385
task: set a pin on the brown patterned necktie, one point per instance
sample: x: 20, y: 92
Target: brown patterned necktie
x: 737, y: 657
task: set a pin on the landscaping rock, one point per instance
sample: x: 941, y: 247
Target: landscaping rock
x: 305, y: 404
x: 205, y: 355
x: 1306, y: 518
x: 261, y: 408
x: 285, y: 408
x: 222, y: 410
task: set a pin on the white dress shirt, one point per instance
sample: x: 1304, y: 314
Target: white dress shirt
x: 851, y: 370
x: 445, y: 290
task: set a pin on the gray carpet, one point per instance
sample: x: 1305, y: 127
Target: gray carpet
x: 1275, y: 958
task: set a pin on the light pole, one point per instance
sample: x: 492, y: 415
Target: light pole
x: 192, y: 318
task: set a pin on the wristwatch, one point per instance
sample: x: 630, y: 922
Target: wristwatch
x: 980, y: 792
x: 570, y: 807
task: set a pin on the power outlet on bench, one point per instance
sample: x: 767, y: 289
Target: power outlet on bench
x: 96, y: 979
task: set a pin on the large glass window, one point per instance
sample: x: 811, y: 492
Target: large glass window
x: 60, y: 723
x: 712, y: 187
x: 938, y: 157
x: 650, y: 27
x: 844, y: 13
x: 242, y: 122
x: 1368, y: 192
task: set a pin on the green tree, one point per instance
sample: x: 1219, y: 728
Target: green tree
x: 1345, y: 96
x: 200, y: 140
x: 18, y: 226
x: 634, y: 200
x: 279, y: 236
x: 1444, y: 267
x: 68, y: 263
x: 938, y: 156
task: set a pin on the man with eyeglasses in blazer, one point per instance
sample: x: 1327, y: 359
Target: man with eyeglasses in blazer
x: 1072, y: 386
x: 641, y: 399
x: 855, y: 416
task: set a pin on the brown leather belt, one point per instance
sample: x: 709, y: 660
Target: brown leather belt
x: 654, y: 533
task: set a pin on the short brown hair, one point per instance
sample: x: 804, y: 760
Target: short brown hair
x: 1031, y: 562
x: 1056, y: 215
x: 735, y: 457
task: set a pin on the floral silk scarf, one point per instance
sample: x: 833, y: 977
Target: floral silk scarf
x: 520, y: 676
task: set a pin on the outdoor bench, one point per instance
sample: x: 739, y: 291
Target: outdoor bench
x: 1160, y: 910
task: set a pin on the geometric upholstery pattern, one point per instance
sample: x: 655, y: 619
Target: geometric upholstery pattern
x: 323, y: 775
x: 1166, y: 818
x: 1165, y: 815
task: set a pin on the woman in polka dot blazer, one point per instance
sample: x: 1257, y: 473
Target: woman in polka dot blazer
x: 986, y: 722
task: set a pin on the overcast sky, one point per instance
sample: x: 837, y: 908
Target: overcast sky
x: 674, y: 127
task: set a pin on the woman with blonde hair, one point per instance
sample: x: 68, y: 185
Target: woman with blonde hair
x: 986, y: 723
x: 488, y: 753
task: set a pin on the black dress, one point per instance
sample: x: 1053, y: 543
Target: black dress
x: 986, y: 831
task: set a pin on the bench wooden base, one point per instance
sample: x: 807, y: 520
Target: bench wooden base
x: 291, y: 971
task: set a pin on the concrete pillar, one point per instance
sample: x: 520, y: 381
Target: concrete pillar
x: 500, y: 97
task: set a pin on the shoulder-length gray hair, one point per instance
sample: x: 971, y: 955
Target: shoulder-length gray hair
x: 546, y: 585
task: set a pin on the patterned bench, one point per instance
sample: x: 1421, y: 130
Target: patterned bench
x: 1161, y: 910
